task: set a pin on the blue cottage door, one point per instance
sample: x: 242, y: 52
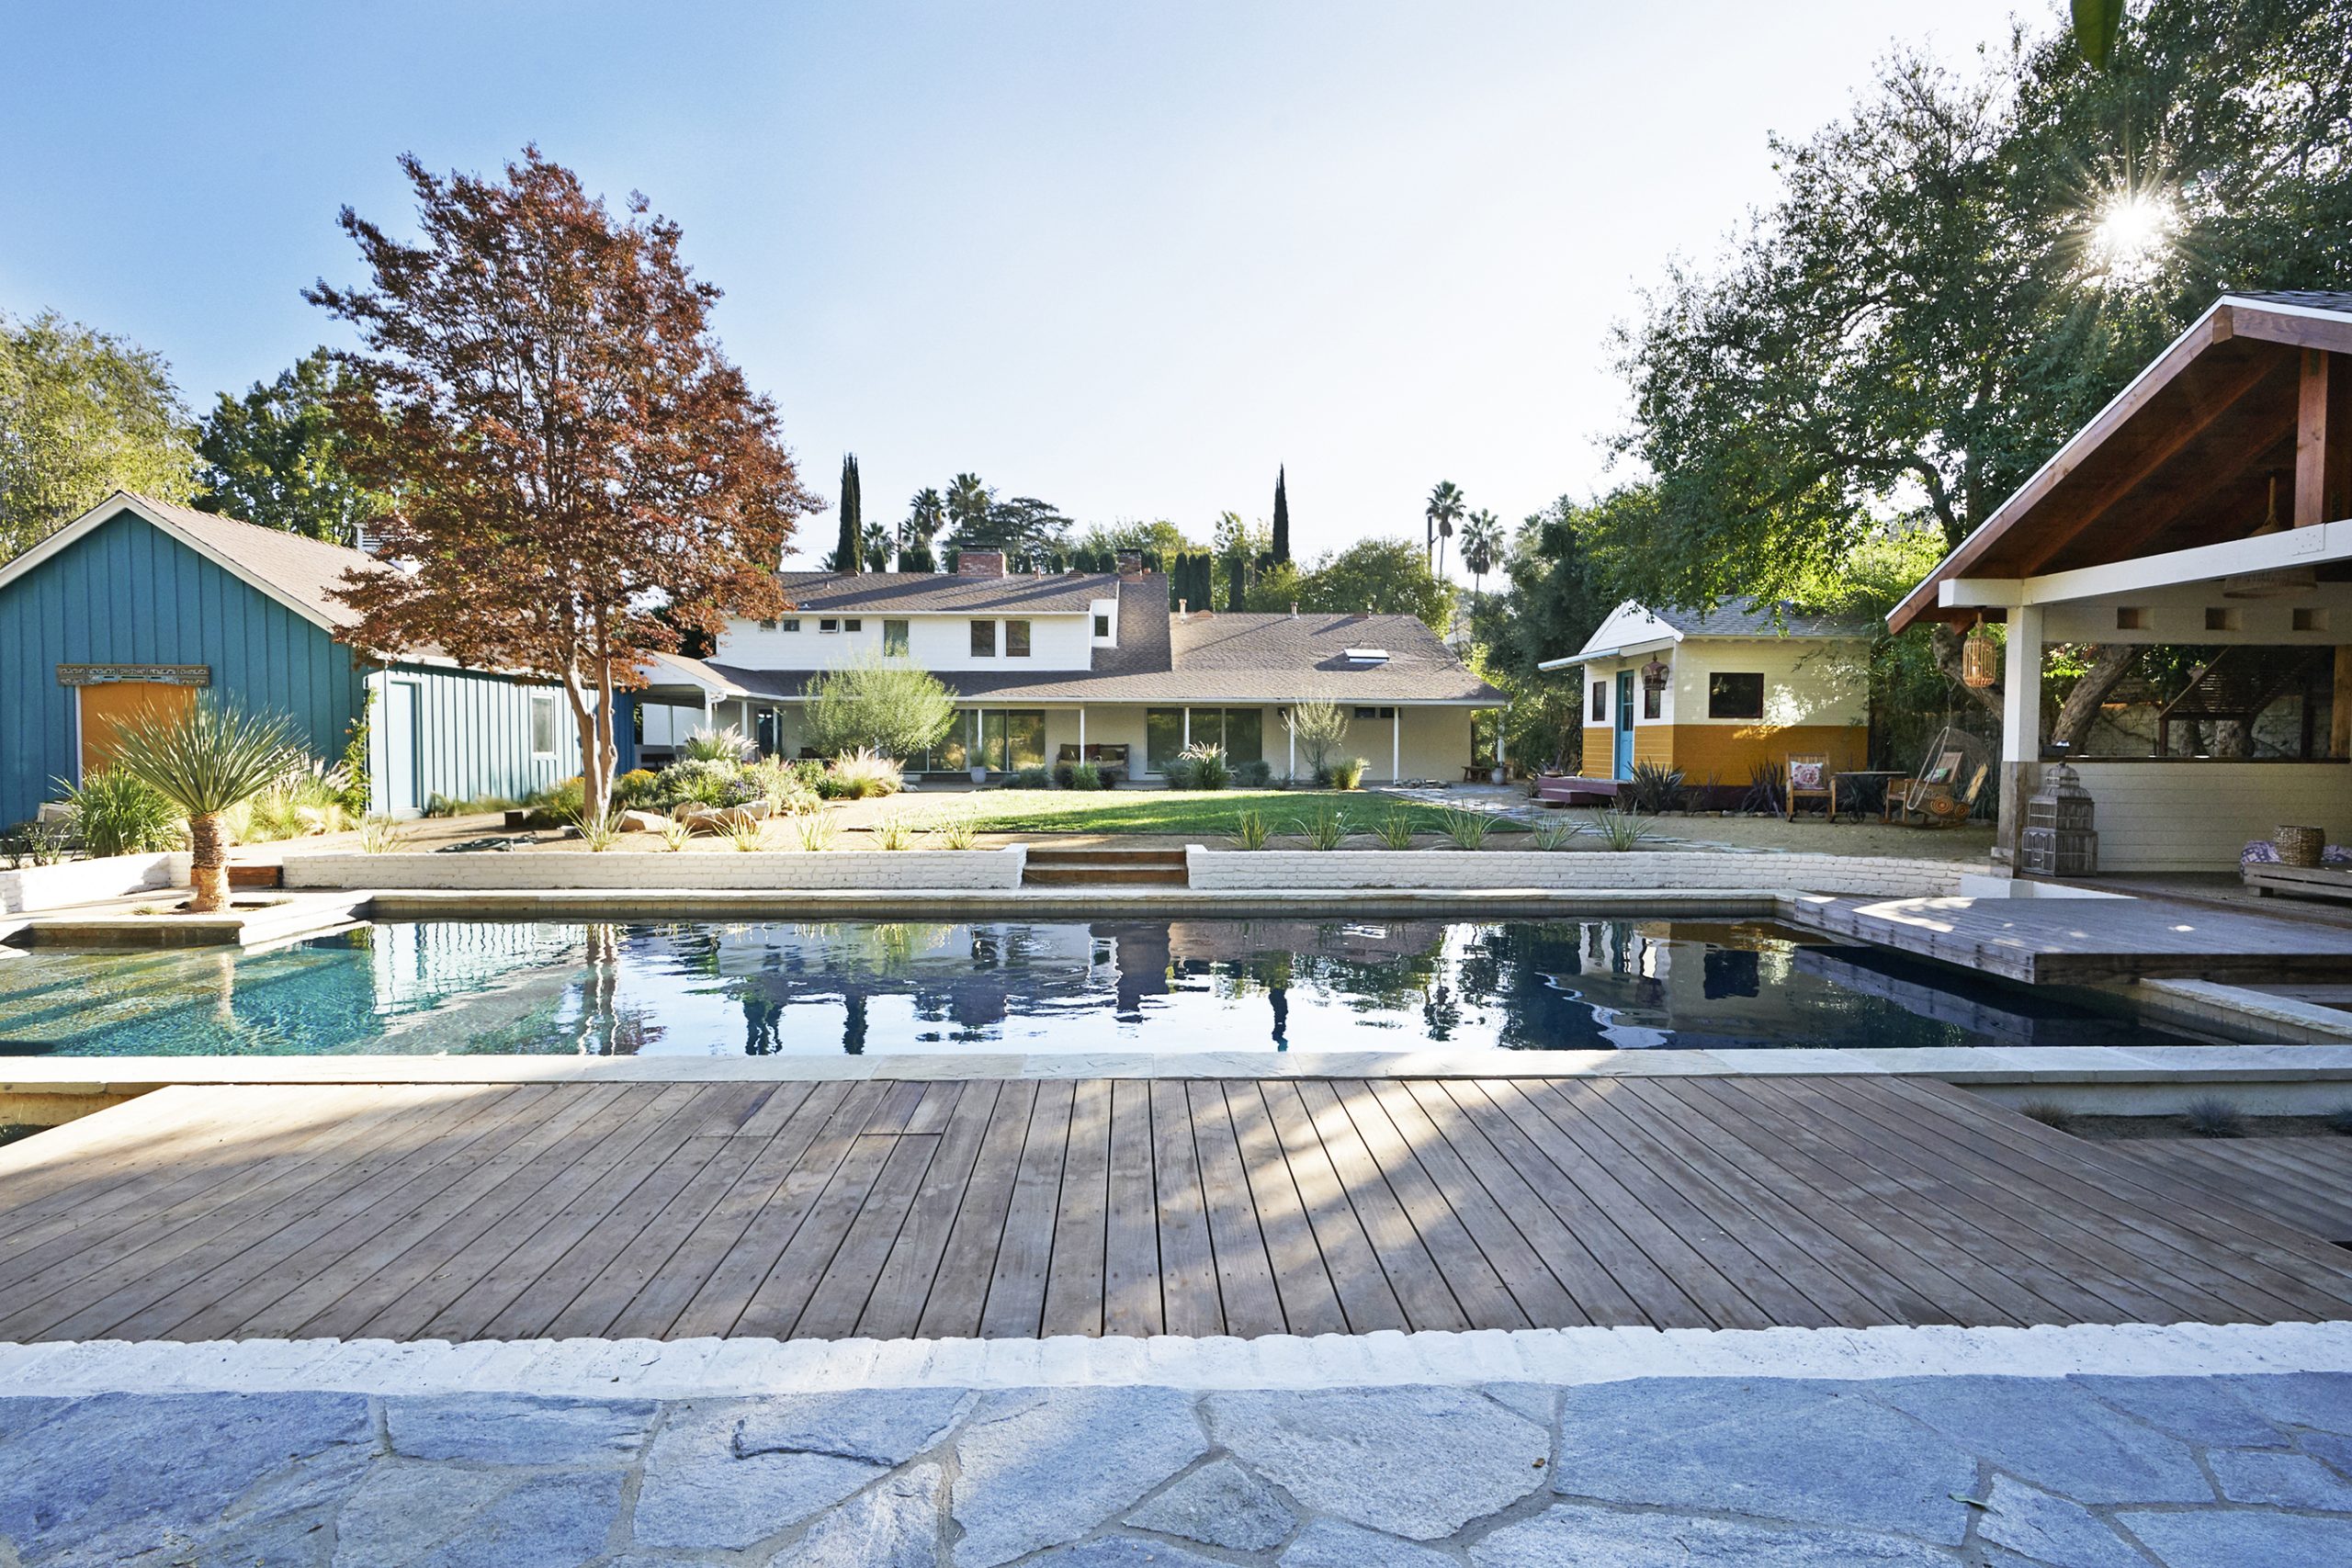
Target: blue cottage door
x: 399, y: 750
x: 1624, y: 724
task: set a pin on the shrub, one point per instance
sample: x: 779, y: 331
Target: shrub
x: 702, y: 782
x: 675, y: 834
x: 33, y: 844
x: 1553, y: 832
x: 1347, y: 773
x: 1180, y: 772
x: 114, y: 814
x: 559, y: 803
x: 601, y: 833
x: 1065, y: 776
x: 1086, y: 775
x: 1209, y: 769
x: 1325, y: 828
x: 380, y: 835
x: 2048, y: 1112
x: 2214, y: 1117
x: 1655, y: 788
x: 780, y: 785
x: 726, y: 745
x: 472, y: 806
x: 865, y: 773
x: 634, y: 789
x: 1256, y: 774
x: 746, y: 833
x: 894, y: 832
x: 1620, y: 830
x: 957, y: 833
x: 1764, y: 787
x: 1029, y: 778
x: 1393, y: 830
x: 815, y: 831
x: 1469, y: 829
x: 1318, y: 727
x: 206, y: 761
x: 875, y: 706
x: 1249, y: 830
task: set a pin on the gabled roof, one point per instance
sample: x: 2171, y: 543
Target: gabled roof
x: 924, y: 593
x: 1634, y: 628
x: 2182, y: 457
x: 298, y: 572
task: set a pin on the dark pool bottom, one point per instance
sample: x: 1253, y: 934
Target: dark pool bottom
x: 767, y: 987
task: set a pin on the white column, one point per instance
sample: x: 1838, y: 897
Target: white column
x: 1290, y: 762
x: 2020, y: 723
x: 1500, y: 714
x: 1082, y: 732
x: 1188, y: 729
x: 1396, y: 745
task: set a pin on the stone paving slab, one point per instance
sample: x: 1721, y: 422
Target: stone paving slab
x: 2215, y: 1471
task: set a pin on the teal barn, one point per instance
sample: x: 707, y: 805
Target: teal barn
x: 137, y: 606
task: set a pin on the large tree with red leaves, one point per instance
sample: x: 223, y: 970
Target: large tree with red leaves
x: 577, y: 477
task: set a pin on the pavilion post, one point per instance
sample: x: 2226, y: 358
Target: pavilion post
x: 2020, y: 726
x: 1290, y: 731
x: 1396, y: 745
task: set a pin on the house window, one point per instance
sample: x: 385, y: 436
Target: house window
x: 542, y: 723
x: 789, y: 623
x: 1600, y: 702
x: 1016, y: 640
x: 1012, y: 740
x: 853, y: 625
x: 829, y: 625
x: 1735, y: 697
x: 767, y: 625
x: 1375, y: 713
x: 984, y: 639
x: 1101, y: 626
x: 894, y: 639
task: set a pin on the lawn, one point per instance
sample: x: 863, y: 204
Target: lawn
x: 1199, y: 813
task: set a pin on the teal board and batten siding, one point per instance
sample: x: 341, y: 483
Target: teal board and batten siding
x: 473, y: 735
x: 128, y: 593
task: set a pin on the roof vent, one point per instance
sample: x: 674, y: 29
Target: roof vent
x: 1367, y: 655
x: 1184, y: 610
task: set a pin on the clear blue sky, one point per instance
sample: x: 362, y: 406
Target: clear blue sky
x: 1125, y: 256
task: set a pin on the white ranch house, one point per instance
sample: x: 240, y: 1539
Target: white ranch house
x: 1052, y: 669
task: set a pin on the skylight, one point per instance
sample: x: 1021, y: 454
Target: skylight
x: 1367, y: 655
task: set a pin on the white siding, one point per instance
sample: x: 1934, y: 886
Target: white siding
x: 2196, y: 816
x: 934, y: 642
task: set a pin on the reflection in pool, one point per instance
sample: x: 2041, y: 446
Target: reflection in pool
x: 764, y: 988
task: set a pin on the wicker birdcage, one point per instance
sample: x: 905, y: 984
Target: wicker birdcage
x: 1980, y: 661
x: 2059, y: 838
x: 2298, y: 846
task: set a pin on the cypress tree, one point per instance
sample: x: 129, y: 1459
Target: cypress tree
x: 1237, y: 583
x: 1282, y: 520
x: 849, y: 551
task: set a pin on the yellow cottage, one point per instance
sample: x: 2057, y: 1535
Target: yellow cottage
x: 1716, y: 694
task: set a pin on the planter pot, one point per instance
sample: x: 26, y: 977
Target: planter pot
x: 980, y: 775
x: 1498, y: 776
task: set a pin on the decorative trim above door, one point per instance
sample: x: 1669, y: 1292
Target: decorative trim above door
x: 150, y: 674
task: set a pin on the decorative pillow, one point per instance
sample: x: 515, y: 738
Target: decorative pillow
x: 1805, y: 775
x: 2337, y: 854
x: 2261, y: 851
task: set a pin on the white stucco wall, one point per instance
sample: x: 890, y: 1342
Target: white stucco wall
x: 2196, y: 816
x: 934, y: 642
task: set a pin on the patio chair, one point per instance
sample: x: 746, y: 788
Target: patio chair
x: 1950, y: 778
x: 1807, y: 778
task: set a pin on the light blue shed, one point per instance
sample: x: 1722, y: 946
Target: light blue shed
x: 138, y: 603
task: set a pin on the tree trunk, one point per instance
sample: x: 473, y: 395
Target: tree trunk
x: 595, y: 782
x: 208, y: 864
x: 2113, y: 661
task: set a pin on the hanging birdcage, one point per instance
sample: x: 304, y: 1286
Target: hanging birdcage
x: 1980, y: 660
x: 1654, y: 676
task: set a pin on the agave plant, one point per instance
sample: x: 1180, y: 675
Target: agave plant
x: 1325, y: 828
x: 675, y: 834
x: 207, y: 760
x: 1553, y: 832
x: 956, y: 832
x: 1469, y: 829
x: 1620, y: 830
x: 380, y: 836
x: 1394, y: 829
x: 1251, y: 830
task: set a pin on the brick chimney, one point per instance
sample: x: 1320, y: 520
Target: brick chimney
x: 980, y: 563
x: 1131, y: 566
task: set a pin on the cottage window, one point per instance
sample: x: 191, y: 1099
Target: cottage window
x: 853, y: 625
x: 1599, y: 702
x: 829, y: 625
x: 1016, y: 640
x: 1101, y: 626
x: 894, y: 639
x: 789, y: 623
x: 984, y: 639
x: 1652, y: 699
x: 1735, y: 697
x: 542, y: 723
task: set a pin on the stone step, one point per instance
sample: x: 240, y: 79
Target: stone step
x: 1105, y: 857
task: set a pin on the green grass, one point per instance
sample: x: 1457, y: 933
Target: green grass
x: 1200, y: 813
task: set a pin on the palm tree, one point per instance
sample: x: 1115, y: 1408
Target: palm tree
x: 926, y: 513
x: 968, y: 505
x: 1482, y: 547
x: 1443, y: 511
x: 207, y: 760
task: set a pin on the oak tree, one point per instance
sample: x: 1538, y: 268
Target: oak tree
x: 576, y: 476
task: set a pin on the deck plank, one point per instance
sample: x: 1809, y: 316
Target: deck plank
x: 1244, y: 1206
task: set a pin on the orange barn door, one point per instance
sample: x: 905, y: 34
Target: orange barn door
x: 107, y: 708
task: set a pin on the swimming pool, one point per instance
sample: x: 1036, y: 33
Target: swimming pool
x: 769, y: 987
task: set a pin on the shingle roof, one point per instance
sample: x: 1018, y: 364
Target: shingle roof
x: 1765, y: 620
x: 1221, y: 658
x: 873, y: 593
x: 2337, y: 300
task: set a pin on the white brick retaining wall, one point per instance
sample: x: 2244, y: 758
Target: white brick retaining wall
x: 636, y: 870
x: 87, y: 881
x: 1277, y: 870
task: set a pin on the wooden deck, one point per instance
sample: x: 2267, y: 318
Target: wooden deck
x: 2073, y: 941
x: 2303, y: 1182
x: 1019, y: 1208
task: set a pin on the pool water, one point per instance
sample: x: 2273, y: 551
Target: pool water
x: 769, y: 987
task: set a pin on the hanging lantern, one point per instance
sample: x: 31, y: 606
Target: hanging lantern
x: 1654, y: 675
x: 1980, y: 661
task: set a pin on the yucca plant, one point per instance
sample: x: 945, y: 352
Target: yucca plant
x: 1249, y: 830
x: 1393, y: 830
x: 1620, y: 830
x: 1325, y: 828
x: 726, y: 745
x: 747, y: 833
x: 380, y: 835
x: 1553, y: 832
x: 673, y: 834
x: 956, y: 833
x: 207, y: 760
x: 601, y: 833
x: 815, y: 831
x: 894, y: 832
x: 1469, y: 829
